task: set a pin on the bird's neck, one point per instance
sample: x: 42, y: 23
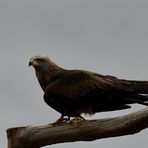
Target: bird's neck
x: 45, y: 76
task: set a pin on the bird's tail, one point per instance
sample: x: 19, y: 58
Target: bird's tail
x: 140, y: 99
x: 140, y: 89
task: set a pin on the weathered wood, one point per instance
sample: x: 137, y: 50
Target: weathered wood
x: 38, y: 136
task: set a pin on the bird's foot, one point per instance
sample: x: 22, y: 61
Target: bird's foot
x: 77, y: 121
x: 61, y: 120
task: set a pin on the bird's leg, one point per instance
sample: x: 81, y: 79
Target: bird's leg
x: 77, y: 121
x: 62, y: 120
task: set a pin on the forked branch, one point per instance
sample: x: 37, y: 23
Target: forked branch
x: 38, y: 136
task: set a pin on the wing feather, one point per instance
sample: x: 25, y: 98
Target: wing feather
x: 82, y: 87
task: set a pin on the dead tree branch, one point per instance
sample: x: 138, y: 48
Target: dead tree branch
x: 38, y: 136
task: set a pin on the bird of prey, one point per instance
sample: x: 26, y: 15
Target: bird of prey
x: 73, y: 92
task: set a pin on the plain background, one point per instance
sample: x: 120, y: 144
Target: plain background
x: 104, y: 36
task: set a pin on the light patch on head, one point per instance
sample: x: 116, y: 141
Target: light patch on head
x: 34, y: 61
x: 43, y: 57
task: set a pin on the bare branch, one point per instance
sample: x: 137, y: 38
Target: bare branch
x: 38, y: 136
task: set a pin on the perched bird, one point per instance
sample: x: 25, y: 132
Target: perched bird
x: 73, y: 92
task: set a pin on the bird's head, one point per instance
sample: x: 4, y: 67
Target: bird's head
x: 44, y: 68
x: 40, y: 62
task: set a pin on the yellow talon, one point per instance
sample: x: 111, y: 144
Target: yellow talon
x: 77, y: 121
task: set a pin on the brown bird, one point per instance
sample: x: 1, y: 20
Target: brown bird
x: 73, y: 92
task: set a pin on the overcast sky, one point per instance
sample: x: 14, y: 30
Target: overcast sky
x: 104, y: 36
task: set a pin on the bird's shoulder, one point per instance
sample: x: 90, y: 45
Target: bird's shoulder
x: 69, y: 75
x: 81, y: 78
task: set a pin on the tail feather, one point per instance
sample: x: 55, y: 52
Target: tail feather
x: 140, y: 86
x: 140, y: 99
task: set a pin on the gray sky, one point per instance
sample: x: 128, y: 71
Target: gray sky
x: 105, y: 36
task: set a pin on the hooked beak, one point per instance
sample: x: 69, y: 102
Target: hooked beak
x: 30, y: 63
x: 33, y: 62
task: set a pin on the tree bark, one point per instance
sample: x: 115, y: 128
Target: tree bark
x: 38, y: 136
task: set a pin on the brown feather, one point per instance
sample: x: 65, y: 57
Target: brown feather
x: 73, y: 92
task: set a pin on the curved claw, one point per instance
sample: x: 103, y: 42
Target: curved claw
x: 77, y: 121
x: 61, y: 120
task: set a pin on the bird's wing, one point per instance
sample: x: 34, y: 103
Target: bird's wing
x: 84, y: 87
